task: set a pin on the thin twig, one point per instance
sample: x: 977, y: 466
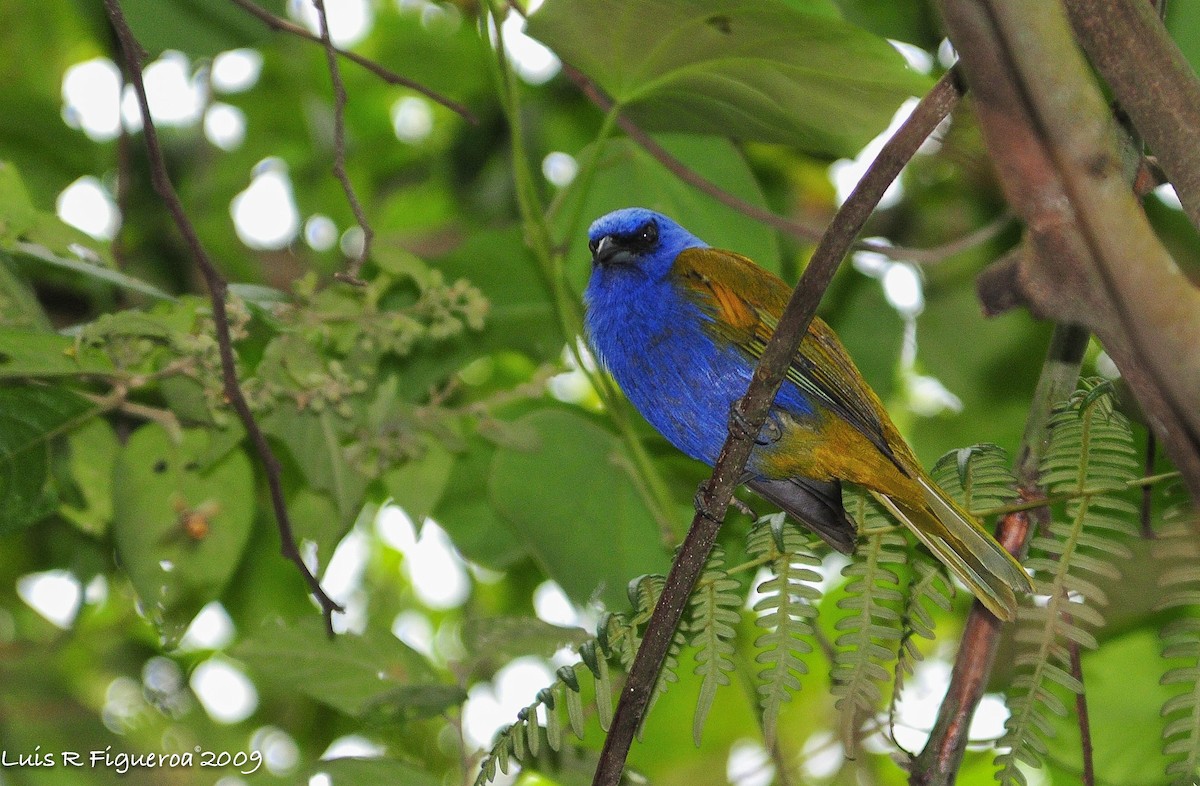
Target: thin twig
x: 133, y: 55
x: 713, y: 498
x: 281, y: 25
x: 924, y: 256
x: 350, y: 274
x: 1081, y: 713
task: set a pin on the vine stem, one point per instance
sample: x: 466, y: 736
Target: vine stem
x: 391, y: 77
x: 713, y: 498
x: 354, y: 267
x: 551, y: 260
x: 218, y: 287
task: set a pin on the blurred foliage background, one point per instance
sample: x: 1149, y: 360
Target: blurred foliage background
x: 469, y: 488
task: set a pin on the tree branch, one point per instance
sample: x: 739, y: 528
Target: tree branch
x: 1152, y: 80
x: 1093, y: 255
x: 391, y: 77
x: 713, y: 498
x: 218, y: 286
x: 350, y: 274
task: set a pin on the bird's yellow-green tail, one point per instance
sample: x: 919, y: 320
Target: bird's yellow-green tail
x: 960, y: 542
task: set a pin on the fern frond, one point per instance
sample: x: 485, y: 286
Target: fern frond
x: 1090, y: 448
x: 715, y: 613
x: 978, y: 477
x: 872, y: 630
x: 928, y: 586
x: 785, y: 612
x: 644, y: 592
x: 1178, y: 551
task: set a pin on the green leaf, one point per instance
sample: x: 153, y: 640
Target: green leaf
x: 36, y: 353
x: 1183, y: 23
x: 30, y: 418
x: 94, y: 450
x: 17, y: 212
x: 314, y: 441
x: 418, y: 484
x: 467, y: 514
x: 19, y: 306
x: 95, y: 270
x: 495, y: 640
x: 758, y: 71
x: 903, y: 20
x: 200, y: 28
x: 352, y: 674
x: 572, y: 502
x: 179, y: 528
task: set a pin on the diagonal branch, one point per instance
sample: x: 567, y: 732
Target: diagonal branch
x: 281, y: 25
x: 751, y: 410
x: 350, y: 274
x: 218, y: 286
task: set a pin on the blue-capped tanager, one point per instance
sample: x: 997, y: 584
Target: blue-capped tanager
x: 680, y: 327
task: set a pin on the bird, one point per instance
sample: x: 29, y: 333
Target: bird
x: 679, y: 326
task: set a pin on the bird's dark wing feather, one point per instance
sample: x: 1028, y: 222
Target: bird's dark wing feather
x: 816, y: 504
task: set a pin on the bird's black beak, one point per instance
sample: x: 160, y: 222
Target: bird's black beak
x: 607, y: 251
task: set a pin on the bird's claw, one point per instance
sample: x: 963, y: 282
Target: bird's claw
x: 739, y: 426
x: 700, y: 502
x: 702, y: 505
x: 743, y: 508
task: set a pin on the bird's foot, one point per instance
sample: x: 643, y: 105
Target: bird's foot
x: 743, y: 508
x: 739, y: 426
x: 701, y: 503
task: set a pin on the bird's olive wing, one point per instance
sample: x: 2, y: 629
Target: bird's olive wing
x: 745, y: 302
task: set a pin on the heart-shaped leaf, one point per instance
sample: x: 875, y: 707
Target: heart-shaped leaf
x: 764, y: 71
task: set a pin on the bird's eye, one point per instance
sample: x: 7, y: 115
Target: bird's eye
x: 648, y: 235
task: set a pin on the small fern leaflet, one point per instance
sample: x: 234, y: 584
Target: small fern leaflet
x: 872, y: 629
x: 715, y: 611
x: 1179, y: 552
x: 785, y: 612
x: 1089, y: 459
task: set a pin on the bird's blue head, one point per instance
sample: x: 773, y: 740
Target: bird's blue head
x: 637, y: 240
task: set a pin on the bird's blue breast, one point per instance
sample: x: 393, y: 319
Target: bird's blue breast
x: 654, y: 342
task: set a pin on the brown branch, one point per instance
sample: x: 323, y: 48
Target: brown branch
x: 1146, y: 508
x: 350, y: 274
x: 1097, y: 255
x: 939, y: 761
x: 1092, y: 252
x: 787, y: 226
x: 281, y: 25
x: 749, y: 413
x: 1154, y: 83
x: 1081, y: 713
x: 133, y: 54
